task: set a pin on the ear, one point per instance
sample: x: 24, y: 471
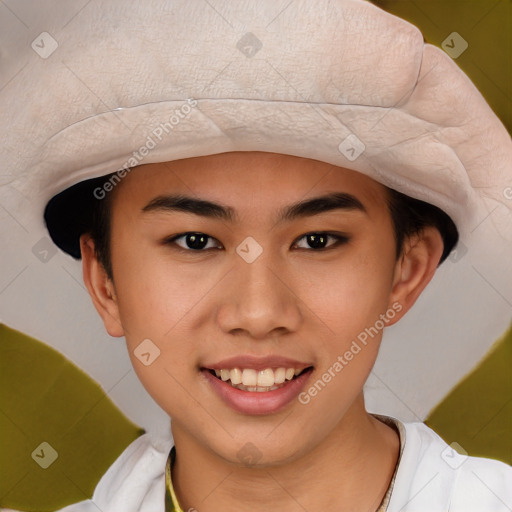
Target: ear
x: 100, y: 287
x: 415, y: 268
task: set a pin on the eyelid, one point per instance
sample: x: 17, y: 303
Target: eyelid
x: 171, y: 240
x: 341, y: 238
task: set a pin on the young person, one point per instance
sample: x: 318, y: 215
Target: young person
x: 242, y: 227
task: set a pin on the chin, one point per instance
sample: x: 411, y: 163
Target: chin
x: 259, y: 453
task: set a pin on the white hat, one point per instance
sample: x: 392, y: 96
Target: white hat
x: 106, y: 86
x: 128, y: 83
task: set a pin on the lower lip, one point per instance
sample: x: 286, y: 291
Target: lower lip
x: 255, y: 402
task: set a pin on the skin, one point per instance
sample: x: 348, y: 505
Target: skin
x: 294, y: 301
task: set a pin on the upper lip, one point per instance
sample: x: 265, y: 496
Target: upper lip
x: 257, y: 363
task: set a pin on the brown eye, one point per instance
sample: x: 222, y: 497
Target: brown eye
x: 192, y: 241
x: 320, y: 240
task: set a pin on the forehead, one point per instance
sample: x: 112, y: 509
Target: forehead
x: 245, y: 180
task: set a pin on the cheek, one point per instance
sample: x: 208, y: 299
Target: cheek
x: 349, y: 295
x: 349, y: 301
x: 154, y: 293
x: 161, y: 300
x: 156, y: 299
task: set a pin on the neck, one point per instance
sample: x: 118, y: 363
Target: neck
x: 351, y: 469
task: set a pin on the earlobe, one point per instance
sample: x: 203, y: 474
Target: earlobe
x: 100, y: 287
x: 415, y: 268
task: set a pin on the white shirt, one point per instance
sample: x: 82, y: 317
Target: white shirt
x: 430, y: 477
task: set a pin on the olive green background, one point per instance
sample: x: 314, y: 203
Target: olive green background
x: 477, y: 414
x: 486, y: 25
x: 46, y: 398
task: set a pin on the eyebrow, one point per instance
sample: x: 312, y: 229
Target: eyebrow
x: 305, y: 208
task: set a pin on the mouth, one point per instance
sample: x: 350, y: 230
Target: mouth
x: 257, y: 391
x: 259, y: 381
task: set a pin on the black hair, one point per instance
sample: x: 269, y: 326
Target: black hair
x: 411, y: 216
x: 87, y: 208
x: 100, y: 231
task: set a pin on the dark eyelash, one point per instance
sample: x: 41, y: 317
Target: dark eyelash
x: 340, y: 240
x: 171, y: 241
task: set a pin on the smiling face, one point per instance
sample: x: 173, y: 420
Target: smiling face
x: 248, y: 266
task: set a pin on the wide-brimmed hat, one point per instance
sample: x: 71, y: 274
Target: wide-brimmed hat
x: 342, y: 82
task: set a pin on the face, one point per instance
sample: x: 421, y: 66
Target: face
x: 271, y: 266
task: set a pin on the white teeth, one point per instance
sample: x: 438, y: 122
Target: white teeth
x: 279, y: 375
x: 249, y: 377
x: 252, y: 380
x: 266, y: 377
x: 235, y: 376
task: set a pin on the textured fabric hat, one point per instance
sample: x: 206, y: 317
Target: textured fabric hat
x: 342, y: 82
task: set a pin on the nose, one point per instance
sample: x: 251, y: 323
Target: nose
x: 259, y: 300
